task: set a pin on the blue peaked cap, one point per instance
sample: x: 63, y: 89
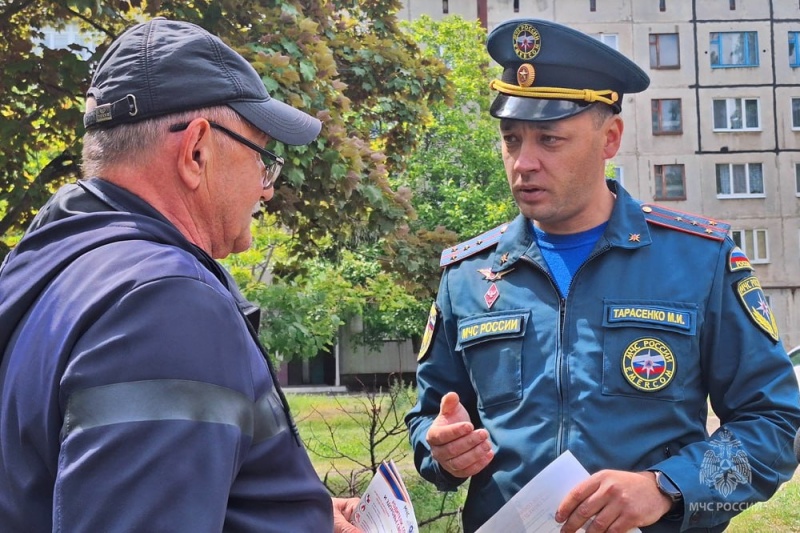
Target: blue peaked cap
x: 551, y: 71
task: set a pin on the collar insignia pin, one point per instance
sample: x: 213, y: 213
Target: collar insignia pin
x: 488, y: 275
x: 491, y: 295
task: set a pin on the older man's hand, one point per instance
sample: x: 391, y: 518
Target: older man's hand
x: 343, y: 509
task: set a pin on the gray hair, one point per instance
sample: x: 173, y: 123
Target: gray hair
x: 131, y: 144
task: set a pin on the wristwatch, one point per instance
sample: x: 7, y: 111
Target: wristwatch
x: 668, y: 488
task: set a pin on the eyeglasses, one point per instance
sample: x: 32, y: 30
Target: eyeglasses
x: 272, y: 163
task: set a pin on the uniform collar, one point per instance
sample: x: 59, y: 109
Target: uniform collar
x: 627, y: 228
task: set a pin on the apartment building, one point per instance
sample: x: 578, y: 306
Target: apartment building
x: 718, y: 131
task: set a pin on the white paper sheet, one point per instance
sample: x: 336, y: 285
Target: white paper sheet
x: 533, y: 508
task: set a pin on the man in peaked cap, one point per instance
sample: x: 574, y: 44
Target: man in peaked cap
x: 598, y: 325
x: 134, y: 392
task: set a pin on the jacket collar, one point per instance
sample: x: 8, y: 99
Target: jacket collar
x: 627, y: 228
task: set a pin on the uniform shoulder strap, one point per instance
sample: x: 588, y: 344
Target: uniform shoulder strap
x: 685, y: 222
x: 486, y: 240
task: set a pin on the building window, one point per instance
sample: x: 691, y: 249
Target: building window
x: 797, y: 179
x: 592, y: 5
x: 734, y: 49
x: 666, y: 116
x: 610, y: 39
x: 445, y: 6
x: 670, y: 182
x: 736, y: 180
x: 794, y: 49
x: 63, y: 38
x: 736, y: 114
x: 662, y: 5
x: 753, y: 242
x: 664, y: 50
x: 796, y: 113
x: 616, y: 173
x: 516, y: 6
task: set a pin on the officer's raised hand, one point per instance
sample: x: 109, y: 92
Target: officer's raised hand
x: 456, y: 445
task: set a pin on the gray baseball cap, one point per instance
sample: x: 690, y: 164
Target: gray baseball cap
x: 165, y: 66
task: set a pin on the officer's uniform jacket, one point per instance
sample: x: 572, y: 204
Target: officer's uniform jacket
x: 134, y: 395
x: 665, y: 313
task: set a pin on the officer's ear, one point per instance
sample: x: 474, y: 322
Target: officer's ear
x: 194, y: 152
x: 612, y: 130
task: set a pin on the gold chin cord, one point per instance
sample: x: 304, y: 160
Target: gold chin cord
x: 606, y: 96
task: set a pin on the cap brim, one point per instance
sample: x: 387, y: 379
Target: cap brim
x: 280, y: 121
x: 535, y: 109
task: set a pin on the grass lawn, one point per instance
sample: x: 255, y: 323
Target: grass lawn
x: 337, y: 430
x: 780, y: 514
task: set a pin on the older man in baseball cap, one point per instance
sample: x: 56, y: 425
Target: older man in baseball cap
x: 134, y: 393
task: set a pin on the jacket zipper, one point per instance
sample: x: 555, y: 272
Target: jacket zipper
x: 561, y: 444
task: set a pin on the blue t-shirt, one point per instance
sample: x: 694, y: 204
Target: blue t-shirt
x: 564, y: 254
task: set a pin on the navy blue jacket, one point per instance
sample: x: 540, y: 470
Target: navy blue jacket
x: 134, y: 395
x: 665, y: 313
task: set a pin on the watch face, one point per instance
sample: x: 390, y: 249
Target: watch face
x: 666, y: 486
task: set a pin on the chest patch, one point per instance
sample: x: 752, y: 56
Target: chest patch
x: 505, y: 325
x: 648, y: 364
x: 680, y: 319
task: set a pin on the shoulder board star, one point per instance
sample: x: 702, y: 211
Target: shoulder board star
x: 471, y: 247
x: 635, y: 237
x: 685, y: 222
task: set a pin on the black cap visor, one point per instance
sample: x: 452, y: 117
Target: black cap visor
x: 535, y: 109
x: 280, y: 121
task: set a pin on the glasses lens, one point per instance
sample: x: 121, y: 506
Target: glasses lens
x: 272, y: 169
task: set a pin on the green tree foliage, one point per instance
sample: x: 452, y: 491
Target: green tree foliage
x: 454, y: 179
x: 345, y: 61
x: 456, y: 171
x: 302, y: 311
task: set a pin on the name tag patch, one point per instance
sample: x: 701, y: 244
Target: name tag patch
x: 661, y: 316
x: 491, y: 326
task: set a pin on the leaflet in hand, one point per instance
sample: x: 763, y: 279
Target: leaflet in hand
x: 385, y: 506
x: 533, y: 508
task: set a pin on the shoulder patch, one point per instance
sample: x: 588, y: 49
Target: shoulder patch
x: 755, y: 304
x: 477, y: 244
x: 737, y: 260
x: 685, y: 222
x: 430, y: 329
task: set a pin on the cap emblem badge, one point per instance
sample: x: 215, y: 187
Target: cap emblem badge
x: 525, y: 75
x: 527, y: 41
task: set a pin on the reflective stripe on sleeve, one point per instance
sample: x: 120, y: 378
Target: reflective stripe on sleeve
x: 173, y: 399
